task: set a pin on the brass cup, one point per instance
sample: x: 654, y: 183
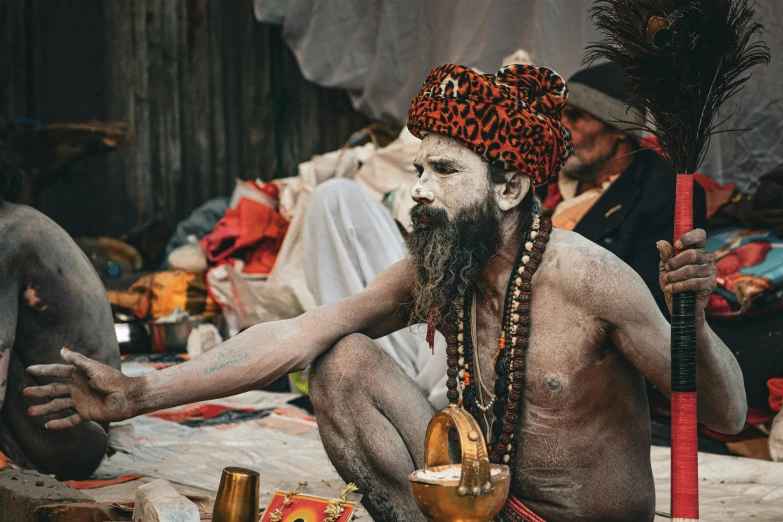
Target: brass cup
x: 237, y: 498
x: 482, y: 488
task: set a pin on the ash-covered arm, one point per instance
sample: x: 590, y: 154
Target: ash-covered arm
x: 254, y: 358
x: 643, y: 335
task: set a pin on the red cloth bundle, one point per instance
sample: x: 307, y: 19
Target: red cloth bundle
x: 252, y: 231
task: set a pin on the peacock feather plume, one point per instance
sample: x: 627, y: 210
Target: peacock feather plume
x: 682, y: 60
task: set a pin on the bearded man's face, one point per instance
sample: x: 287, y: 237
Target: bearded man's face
x: 456, y: 224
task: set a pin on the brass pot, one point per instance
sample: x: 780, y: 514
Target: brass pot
x: 238, y: 496
x: 473, y: 491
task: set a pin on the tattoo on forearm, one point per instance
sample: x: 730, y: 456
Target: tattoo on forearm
x: 229, y: 358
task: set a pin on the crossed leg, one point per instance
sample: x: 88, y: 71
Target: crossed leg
x: 69, y: 454
x: 372, y: 419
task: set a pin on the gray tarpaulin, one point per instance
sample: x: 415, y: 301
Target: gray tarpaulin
x: 381, y: 51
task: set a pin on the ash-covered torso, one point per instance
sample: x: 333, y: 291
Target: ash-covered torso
x: 54, y: 290
x: 584, y: 439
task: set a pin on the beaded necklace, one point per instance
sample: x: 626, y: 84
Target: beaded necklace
x: 509, y: 361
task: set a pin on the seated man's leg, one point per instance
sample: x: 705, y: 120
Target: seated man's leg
x: 349, y: 239
x: 73, y: 453
x: 372, y: 419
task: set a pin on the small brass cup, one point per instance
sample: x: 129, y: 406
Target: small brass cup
x: 237, y: 498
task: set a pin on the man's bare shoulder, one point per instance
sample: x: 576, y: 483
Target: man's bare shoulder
x: 586, y: 272
x: 27, y: 232
x: 17, y: 212
x: 32, y: 246
x: 26, y: 225
x: 12, y: 232
x: 567, y: 251
x: 12, y: 218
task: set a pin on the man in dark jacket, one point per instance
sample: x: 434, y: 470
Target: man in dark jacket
x: 611, y: 190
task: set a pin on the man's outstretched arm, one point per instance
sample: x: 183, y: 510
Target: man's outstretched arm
x: 643, y: 335
x: 253, y: 358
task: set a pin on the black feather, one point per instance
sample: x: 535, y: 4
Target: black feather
x: 682, y: 86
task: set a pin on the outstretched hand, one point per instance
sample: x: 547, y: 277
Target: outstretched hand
x: 97, y: 392
x: 691, y: 270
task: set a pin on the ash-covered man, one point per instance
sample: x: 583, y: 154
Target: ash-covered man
x: 549, y: 335
x: 50, y: 296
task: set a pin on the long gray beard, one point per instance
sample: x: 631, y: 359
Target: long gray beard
x: 449, y: 256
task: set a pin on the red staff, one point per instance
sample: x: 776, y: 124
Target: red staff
x: 682, y: 59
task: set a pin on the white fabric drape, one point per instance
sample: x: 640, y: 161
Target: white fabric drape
x: 381, y: 51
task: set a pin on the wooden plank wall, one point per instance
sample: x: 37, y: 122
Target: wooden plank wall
x: 211, y: 95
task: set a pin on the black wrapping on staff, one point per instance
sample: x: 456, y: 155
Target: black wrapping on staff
x: 683, y: 342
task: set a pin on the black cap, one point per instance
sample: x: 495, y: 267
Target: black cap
x: 601, y: 91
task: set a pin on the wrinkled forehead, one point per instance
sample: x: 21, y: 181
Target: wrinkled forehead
x: 439, y: 146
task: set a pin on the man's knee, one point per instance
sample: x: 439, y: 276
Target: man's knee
x: 73, y: 454
x: 341, y: 369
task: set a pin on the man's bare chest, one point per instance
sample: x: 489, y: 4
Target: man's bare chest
x: 561, y: 352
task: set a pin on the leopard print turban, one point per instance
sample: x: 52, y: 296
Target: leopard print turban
x: 511, y: 120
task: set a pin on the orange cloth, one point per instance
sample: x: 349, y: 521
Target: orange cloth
x: 251, y: 231
x: 92, y: 484
x: 158, y: 294
x: 717, y: 194
x: 572, y: 208
x: 569, y: 218
x: 775, y: 393
x: 199, y: 410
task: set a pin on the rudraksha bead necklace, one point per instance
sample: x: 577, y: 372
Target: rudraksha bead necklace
x: 509, y: 361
